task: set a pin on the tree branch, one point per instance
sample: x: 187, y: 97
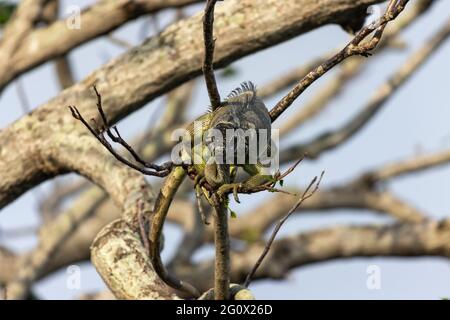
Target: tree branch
x: 429, y: 238
x: 222, y: 248
x: 139, y: 76
x: 208, y: 69
x: 32, y: 49
x: 314, y: 185
x: 159, y: 213
x: 355, y: 47
x: 332, y: 139
x: 51, y: 238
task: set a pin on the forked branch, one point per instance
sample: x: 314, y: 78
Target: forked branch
x: 98, y: 132
x: 308, y: 193
x: 354, y: 47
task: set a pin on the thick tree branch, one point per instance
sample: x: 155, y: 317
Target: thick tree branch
x: 45, y: 44
x: 428, y: 238
x: 141, y: 75
x: 251, y: 226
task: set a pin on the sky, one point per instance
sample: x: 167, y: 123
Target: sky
x: 414, y: 121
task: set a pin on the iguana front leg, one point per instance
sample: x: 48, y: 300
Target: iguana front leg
x: 259, y: 176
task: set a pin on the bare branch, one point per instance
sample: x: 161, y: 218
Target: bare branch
x: 355, y: 47
x: 314, y: 185
x: 23, y: 98
x: 289, y: 79
x: 405, y: 167
x: 64, y: 72
x: 50, y: 205
x: 159, y: 213
x: 222, y: 250
x: 192, y: 240
x: 119, y: 41
x: 254, y: 224
x: 51, y: 239
x: 208, y: 69
x: 429, y: 238
x: 148, y: 168
x: 350, y: 69
x: 140, y: 76
x: 333, y: 139
x: 21, y: 23
x: 62, y: 64
x: 18, y: 53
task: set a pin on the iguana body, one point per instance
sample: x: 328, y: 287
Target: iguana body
x: 241, y: 110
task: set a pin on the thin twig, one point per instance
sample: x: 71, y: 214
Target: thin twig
x: 193, y: 238
x: 334, y: 138
x: 23, y: 98
x: 354, y: 47
x: 119, y: 41
x: 51, y: 204
x: 147, y: 169
x: 18, y: 232
x: 306, y: 194
x: 237, y: 188
x: 208, y: 69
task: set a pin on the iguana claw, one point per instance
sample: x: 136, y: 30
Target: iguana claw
x: 235, y: 192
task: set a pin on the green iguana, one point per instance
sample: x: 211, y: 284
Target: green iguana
x: 244, y: 118
x: 241, y: 110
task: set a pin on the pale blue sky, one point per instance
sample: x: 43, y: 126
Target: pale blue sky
x: 415, y: 119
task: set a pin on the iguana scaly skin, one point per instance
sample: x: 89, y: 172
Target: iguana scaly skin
x: 242, y: 109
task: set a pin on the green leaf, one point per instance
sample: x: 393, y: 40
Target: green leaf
x: 272, y: 179
x: 232, y: 214
x: 281, y: 182
x: 229, y: 72
x: 6, y: 10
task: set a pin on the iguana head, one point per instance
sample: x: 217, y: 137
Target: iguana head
x: 245, y: 112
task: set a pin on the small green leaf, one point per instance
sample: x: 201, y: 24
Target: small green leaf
x: 229, y: 72
x: 272, y: 179
x: 232, y: 214
x: 281, y: 182
x: 6, y: 10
